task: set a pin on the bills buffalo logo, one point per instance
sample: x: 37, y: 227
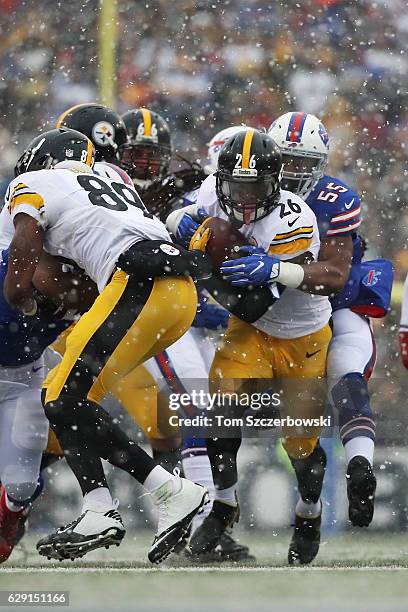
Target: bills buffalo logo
x: 323, y: 134
x: 371, y: 278
x: 103, y: 133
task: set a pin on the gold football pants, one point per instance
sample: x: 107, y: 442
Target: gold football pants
x: 120, y: 332
x: 247, y: 353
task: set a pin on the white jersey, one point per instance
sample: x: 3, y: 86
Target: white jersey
x: 89, y: 219
x: 288, y: 231
x: 6, y: 228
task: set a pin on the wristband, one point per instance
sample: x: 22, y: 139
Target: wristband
x: 290, y: 274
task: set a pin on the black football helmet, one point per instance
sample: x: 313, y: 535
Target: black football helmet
x: 147, y: 155
x: 103, y: 126
x: 248, y: 176
x: 54, y: 146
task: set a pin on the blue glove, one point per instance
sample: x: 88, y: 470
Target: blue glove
x: 211, y: 316
x: 256, y: 269
x: 188, y: 226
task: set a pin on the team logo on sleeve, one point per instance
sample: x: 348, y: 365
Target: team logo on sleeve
x: 169, y: 249
x: 103, y: 133
x: 372, y: 278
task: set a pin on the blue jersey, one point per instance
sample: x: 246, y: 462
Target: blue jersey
x: 336, y: 206
x: 23, y: 339
x: 338, y: 211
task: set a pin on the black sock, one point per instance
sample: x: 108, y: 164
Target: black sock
x: 222, y: 453
x: 310, y: 474
x: 169, y: 460
x: 115, y: 446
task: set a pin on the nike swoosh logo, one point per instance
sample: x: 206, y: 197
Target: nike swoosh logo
x: 349, y: 205
x: 308, y: 355
x: 36, y: 369
x: 293, y: 222
x: 258, y: 267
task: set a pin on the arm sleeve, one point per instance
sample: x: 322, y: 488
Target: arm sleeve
x: 23, y: 198
x: 347, y: 217
x: 249, y: 305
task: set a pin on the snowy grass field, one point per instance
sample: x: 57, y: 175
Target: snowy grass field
x: 357, y: 572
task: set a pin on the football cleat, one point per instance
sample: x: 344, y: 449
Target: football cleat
x: 90, y: 531
x: 11, y: 524
x: 361, y: 485
x: 231, y: 550
x: 207, y: 537
x: 305, y: 541
x: 178, y: 501
x: 227, y: 550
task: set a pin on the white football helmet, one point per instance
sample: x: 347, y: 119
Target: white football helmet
x: 215, y: 145
x: 111, y: 171
x: 304, y: 143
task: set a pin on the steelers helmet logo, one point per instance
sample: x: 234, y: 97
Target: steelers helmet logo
x: 103, y: 133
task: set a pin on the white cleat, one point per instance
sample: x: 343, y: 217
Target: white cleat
x: 90, y: 531
x: 178, y: 501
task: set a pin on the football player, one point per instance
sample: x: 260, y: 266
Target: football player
x: 138, y: 394
x: 286, y: 337
x: 24, y: 426
x: 358, y: 290
x: 106, y: 230
x: 147, y: 159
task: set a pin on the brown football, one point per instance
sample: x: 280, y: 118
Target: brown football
x: 224, y: 241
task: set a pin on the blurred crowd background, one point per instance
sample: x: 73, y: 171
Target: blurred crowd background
x: 207, y: 64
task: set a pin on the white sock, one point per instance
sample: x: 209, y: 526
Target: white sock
x: 12, y: 506
x: 198, y: 469
x: 308, y: 510
x: 227, y: 496
x: 359, y: 446
x: 98, y: 500
x: 157, y: 477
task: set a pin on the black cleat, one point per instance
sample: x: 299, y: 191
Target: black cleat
x: 361, y: 485
x: 90, y: 531
x: 231, y: 550
x: 305, y: 541
x: 207, y: 537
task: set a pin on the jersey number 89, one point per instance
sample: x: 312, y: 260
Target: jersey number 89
x: 114, y: 196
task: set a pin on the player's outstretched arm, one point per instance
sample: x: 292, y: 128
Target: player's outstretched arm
x: 24, y: 254
x: 329, y: 275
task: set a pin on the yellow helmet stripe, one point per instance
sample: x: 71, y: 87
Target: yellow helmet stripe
x: 89, y: 153
x: 67, y: 112
x: 147, y: 121
x: 246, y: 149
